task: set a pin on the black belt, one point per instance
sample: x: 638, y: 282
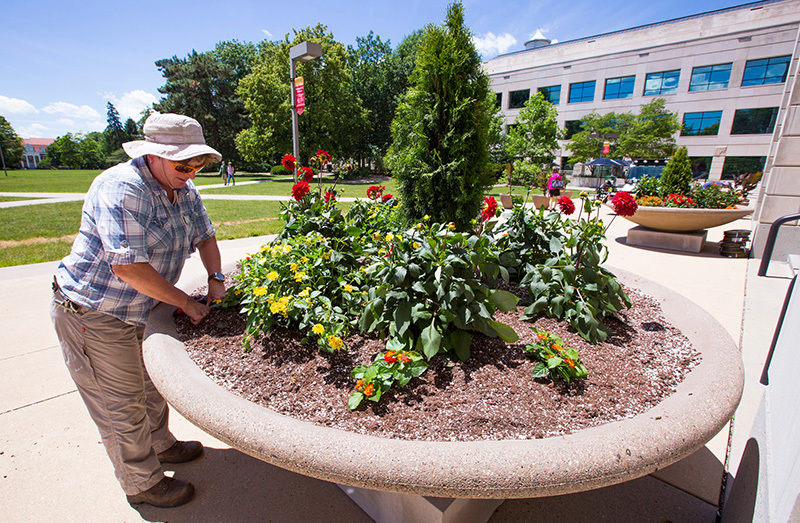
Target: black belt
x: 60, y: 299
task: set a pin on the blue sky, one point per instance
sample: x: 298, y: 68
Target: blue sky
x: 62, y: 61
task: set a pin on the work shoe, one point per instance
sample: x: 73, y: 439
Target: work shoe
x: 169, y: 492
x: 181, y: 452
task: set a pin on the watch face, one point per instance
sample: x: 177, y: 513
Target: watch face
x: 217, y: 276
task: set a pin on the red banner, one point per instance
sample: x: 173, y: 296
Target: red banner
x: 299, y: 95
x: 606, y: 147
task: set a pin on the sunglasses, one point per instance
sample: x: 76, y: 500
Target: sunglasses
x: 184, y: 168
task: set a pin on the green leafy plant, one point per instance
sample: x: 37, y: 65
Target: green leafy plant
x: 555, y: 358
x: 679, y: 200
x: 676, y: 178
x: 648, y: 186
x: 390, y: 368
x: 715, y: 197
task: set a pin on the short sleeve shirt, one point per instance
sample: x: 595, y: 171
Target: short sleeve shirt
x: 127, y: 218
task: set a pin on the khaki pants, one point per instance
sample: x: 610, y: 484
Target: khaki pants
x: 104, y: 358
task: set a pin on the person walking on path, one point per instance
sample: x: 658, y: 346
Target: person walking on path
x: 554, y: 185
x: 223, y: 173
x: 231, y: 179
x: 141, y: 220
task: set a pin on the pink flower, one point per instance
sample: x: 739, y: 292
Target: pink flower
x: 624, y: 204
x: 299, y: 190
x: 491, y: 208
x: 566, y: 205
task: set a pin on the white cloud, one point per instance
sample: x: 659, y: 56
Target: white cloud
x: 68, y: 110
x: 66, y: 122
x: 16, y: 106
x: 131, y: 104
x: 491, y: 44
x: 269, y: 35
x: 33, y: 131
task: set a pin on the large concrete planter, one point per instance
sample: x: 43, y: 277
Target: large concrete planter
x: 672, y: 219
x: 589, y: 459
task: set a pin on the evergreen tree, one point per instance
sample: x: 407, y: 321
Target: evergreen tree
x: 11, y: 143
x: 114, y: 132
x: 440, y: 152
x: 131, y: 130
x: 676, y: 178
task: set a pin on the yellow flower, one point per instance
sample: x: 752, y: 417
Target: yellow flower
x: 416, y: 245
x: 376, y: 236
x: 272, y: 276
x: 451, y: 226
x: 348, y: 287
x: 389, y: 237
x: 293, y: 267
x: 260, y: 291
x: 426, y: 218
x: 304, y: 292
x: 299, y: 276
x: 237, y: 291
x: 327, y: 255
x: 304, y: 259
x: 318, y: 329
x: 335, y: 342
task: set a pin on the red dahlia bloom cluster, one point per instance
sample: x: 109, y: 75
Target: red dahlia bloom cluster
x: 324, y: 156
x: 330, y: 196
x: 566, y: 205
x: 308, y: 173
x: 491, y: 208
x: 289, y: 162
x: 375, y: 192
x: 624, y: 204
x: 299, y: 190
x: 386, y: 197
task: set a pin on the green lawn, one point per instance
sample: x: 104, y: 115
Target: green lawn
x: 15, y: 198
x: 284, y: 188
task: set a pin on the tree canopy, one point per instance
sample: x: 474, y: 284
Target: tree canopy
x: 649, y: 134
x: 440, y: 132
x: 11, y: 143
x: 76, y: 151
x: 333, y: 108
x: 535, y: 133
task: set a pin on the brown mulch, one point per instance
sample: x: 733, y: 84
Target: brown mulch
x: 492, y: 396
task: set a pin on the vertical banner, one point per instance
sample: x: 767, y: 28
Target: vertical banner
x: 606, y: 147
x: 299, y: 95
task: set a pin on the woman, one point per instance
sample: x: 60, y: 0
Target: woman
x: 554, y: 186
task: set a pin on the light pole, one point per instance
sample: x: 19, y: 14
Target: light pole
x: 303, y: 52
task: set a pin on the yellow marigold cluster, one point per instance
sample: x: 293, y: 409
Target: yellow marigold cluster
x: 298, y: 277
x: 335, y: 342
x: 260, y: 291
x: 318, y: 329
x: 280, y: 306
x: 272, y: 276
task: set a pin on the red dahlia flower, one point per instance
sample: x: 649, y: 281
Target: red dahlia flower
x: 289, y: 162
x: 330, y: 196
x: 491, y: 208
x: 308, y: 174
x: 375, y: 192
x: 624, y: 204
x: 389, y: 357
x: 386, y: 197
x: 299, y: 190
x: 566, y: 205
x: 324, y: 156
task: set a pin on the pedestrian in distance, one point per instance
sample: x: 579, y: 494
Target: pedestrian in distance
x: 231, y: 179
x: 141, y: 220
x: 554, y: 185
x: 223, y: 173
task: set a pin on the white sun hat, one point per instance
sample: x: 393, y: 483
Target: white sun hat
x: 171, y: 136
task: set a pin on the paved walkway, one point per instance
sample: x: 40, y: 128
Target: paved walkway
x: 53, y: 466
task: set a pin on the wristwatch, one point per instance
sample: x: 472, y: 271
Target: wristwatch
x: 216, y: 276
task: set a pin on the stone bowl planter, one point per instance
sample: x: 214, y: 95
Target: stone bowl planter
x: 585, y: 460
x: 673, y: 219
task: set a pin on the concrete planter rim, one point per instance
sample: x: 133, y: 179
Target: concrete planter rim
x: 675, y: 219
x: 591, y: 458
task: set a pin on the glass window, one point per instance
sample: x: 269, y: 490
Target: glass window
x: 736, y: 166
x: 710, y: 77
x: 665, y: 82
x: 517, y: 99
x: 766, y: 71
x: 498, y: 103
x: 619, y: 87
x: 701, y: 124
x: 552, y: 94
x: 571, y: 127
x: 754, y: 121
x: 701, y: 165
x: 581, y: 92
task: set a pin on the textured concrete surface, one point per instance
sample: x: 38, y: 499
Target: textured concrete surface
x: 689, y: 241
x: 676, y: 219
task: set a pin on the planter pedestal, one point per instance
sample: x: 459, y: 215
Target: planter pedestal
x: 689, y: 241
x: 391, y: 507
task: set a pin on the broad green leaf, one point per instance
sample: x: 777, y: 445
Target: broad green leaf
x: 355, y: 400
x: 431, y: 340
x: 504, y: 331
x: 461, y: 341
x: 503, y: 300
x: 540, y: 370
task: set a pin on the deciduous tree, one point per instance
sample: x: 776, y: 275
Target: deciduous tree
x: 535, y: 133
x: 11, y: 143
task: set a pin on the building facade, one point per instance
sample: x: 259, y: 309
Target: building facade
x: 723, y: 72
x: 35, y: 152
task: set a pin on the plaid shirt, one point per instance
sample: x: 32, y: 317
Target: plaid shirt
x: 127, y: 218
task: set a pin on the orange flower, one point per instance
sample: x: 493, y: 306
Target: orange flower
x: 542, y: 336
x: 569, y: 362
x: 359, y: 384
x: 404, y: 359
x: 557, y: 347
x: 369, y: 390
x: 389, y: 356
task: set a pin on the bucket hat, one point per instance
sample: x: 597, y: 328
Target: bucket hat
x: 171, y: 136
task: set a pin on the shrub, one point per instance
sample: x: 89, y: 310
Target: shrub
x: 280, y: 169
x: 529, y: 175
x: 715, y: 197
x: 676, y: 178
x: 648, y: 186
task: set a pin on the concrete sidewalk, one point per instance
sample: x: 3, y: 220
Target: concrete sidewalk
x: 54, y: 468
